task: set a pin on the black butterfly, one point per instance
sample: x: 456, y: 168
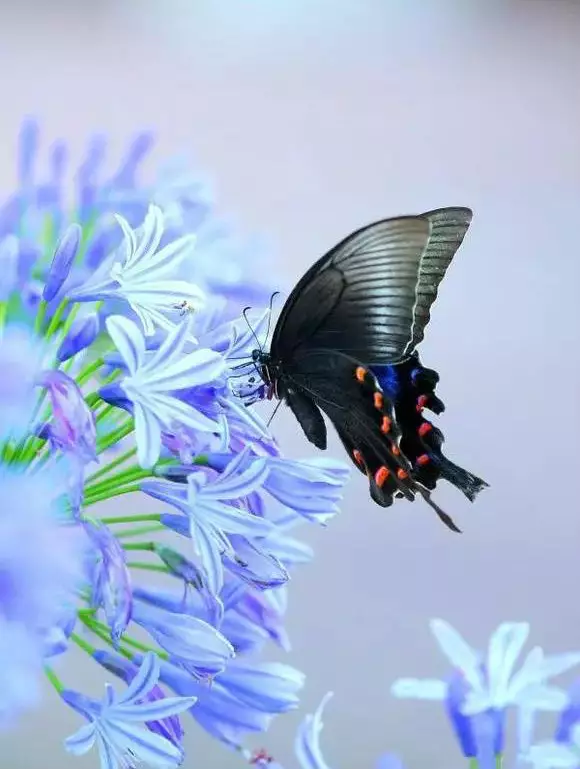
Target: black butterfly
x: 344, y: 344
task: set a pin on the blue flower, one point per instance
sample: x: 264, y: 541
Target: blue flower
x: 480, y: 689
x: 142, y: 274
x: 115, y: 723
x: 64, y: 254
x: 111, y: 580
x: 211, y: 507
x: 191, y: 642
x: 311, y: 487
x: 152, y: 383
x: 42, y: 565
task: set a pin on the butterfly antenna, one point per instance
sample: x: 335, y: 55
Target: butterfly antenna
x: 274, y: 295
x: 244, y: 311
x: 269, y: 422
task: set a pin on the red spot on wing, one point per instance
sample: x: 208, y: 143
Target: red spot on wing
x: 386, y: 425
x: 381, y: 476
x: 425, y: 428
x: 423, y: 460
x: 402, y: 474
x: 360, y: 373
x: 378, y: 398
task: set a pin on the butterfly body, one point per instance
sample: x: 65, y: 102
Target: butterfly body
x: 344, y: 346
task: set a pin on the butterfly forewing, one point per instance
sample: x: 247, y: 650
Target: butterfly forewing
x: 358, y: 299
x: 448, y: 228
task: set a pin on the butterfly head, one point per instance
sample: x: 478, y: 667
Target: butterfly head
x: 268, y: 370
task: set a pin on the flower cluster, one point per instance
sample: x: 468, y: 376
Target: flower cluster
x: 120, y: 322
x: 477, y: 695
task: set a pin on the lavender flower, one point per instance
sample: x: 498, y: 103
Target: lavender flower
x: 117, y: 338
x: 113, y: 725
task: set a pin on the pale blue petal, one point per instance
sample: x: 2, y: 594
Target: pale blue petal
x: 172, y: 348
x: 239, y: 485
x: 505, y: 646
x: 127, y: 339
x: 172, y: 410
x: 458, y: 652
x: 249, y: 417
x: 209, y: 553
x: 307, y: 744
x: 106, y: 754
x: 233, y: 520
x: 170, y: 256
x: 148, y: 747
x: 130, y: 241
x: 526, y: 722
x: 81, y: 741
x: 556, y: 664
x: 549, y: 698
x: 155, y: 710
x: 552, y: 755
x: 145, y: 679
x: 195, y: 368
x: 575, y: 735
x: 529, y: 673
x: 419, y: 689
x: 147, y: 436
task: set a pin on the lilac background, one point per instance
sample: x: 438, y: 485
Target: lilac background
x: 315, y: 118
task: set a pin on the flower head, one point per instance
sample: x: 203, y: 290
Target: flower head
x: 117, y: 724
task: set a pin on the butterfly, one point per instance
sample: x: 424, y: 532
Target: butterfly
x: 345, y: 346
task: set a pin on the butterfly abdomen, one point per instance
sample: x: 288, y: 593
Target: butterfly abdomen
x: 411, y: 387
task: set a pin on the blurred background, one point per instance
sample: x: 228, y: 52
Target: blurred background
x: 313, y: 118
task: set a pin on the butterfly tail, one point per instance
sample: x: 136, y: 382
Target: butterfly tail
x: 411, y: 386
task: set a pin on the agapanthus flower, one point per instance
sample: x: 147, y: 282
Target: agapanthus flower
x: 120, y: 326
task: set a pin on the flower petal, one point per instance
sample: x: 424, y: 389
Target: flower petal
x: 81, y: 741
x: 419, y: 689
x: 127, y: 339
x: 458, y: 652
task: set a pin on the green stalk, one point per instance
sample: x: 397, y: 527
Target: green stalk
x: 3, y: 314
x: 104, y: 636
x: 54, y: 679
x: 110, y: 493
x: 104, y: 412
x: 112, y: 465
x: 89, y: 370
x: 148, y: 566
x: 138, y: 531
x: 40, y: 316
x: 142, y: 546
x: 132, y: 518
x: 56, y: 318
x: 499, y: 761
x: 131, y: 474
x: 83, y: 644
x: 117, y: 435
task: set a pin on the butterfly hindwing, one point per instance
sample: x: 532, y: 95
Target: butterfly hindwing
x: 365, y: 420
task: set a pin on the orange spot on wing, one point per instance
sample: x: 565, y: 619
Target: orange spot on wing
x: 422, y: 402
x: 360, y: 373
x: 395, y: 449
x: 381, y: 476
x: 401, y: 474
x: 358, y: 457
x: 386, y: 425
x: 425, y: 428
x: 378, y: 400
x: 423, y: 460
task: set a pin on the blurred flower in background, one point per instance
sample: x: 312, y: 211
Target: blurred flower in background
x: 120, y: 326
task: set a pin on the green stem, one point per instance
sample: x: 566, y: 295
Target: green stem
x: 104, y: 635
x: 83, y: 644
x: 110, y: 493
x: 142, y: 546
x: 131, y: 474
x: 56, y: 318
x: 54, y: 679
x: 40, y: 315
x: 117, y: 435
x: 89, y: 370
x: 144, y: 648
x: 140, y: 530
x: 3, y: 313
x: 70, y: 320
x: 108, y: 407
x: 499, y: 761
x: 148, y: 566
x: 132, y: 518
x: 112, y: 465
